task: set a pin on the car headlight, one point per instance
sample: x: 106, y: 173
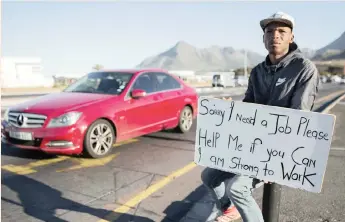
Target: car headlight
x: 6, y: 115
x: 66, y: 119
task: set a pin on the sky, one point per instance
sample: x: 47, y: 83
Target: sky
x: 74, y: 36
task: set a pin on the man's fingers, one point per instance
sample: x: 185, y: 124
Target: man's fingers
x: 229, y: 98
x: 223, y: 219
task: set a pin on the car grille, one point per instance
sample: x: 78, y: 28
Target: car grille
x: 26, y: 120
x: 36, y: 143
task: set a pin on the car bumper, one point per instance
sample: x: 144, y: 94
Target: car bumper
x: 60, y: 140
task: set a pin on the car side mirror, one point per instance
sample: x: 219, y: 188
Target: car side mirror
x: 138, y: 93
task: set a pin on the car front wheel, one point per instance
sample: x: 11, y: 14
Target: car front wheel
x: 185, y: 120
x: 99, y: 139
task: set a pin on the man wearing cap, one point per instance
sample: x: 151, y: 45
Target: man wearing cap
x: 285, y: 79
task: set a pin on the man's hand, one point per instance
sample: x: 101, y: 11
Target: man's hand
x: 224, y: 98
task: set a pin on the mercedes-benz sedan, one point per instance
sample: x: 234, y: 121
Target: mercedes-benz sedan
x: 100, y: 109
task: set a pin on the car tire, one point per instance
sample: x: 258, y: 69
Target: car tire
x: 185, y: 121
x: 93, y: 139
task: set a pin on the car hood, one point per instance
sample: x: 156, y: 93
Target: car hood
x: 60, y: 102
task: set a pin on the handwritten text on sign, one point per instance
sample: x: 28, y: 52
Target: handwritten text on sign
x: 286, y: 146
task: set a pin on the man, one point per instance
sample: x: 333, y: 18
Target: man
x: 284, y: 79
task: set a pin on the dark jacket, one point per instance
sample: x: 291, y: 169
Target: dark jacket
x: 292, y: 83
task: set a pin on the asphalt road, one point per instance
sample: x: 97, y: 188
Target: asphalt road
x: 39, y: 187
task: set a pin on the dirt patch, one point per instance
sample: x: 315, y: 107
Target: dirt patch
x: 31, y: 90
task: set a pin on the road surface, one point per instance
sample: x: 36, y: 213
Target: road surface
x: 146, y: 179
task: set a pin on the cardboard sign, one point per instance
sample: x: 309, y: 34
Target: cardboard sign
x: 286, y: 146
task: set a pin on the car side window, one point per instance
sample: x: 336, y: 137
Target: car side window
x: 166, y: 82
x: 144, y: 82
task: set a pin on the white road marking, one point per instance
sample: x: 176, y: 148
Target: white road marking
x: 338, y: 148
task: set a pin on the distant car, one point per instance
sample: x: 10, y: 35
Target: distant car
x: 100, y: 109
x: 342, y: 81
x: 223, y: 80
x: 242, y: 81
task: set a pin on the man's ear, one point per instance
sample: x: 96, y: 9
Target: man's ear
x: 263, y: 38
x: 292, y: 38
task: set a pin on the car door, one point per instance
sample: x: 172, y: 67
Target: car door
x: 171, y: 92
x: 142, y: 114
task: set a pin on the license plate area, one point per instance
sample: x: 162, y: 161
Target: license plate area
x: 21, y: 135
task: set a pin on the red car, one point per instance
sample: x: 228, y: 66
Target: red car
x: 100, y: 109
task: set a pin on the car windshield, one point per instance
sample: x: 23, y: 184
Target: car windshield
x: 112, y: 83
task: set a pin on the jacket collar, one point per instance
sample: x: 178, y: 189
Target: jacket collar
x: 293, y: 51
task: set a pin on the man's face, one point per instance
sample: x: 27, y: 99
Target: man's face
x: 277, y: 37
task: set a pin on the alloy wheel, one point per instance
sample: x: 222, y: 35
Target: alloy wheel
x: 101, y: 139
x: 187, y: 119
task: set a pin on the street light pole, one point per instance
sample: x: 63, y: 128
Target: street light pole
x: 271, y: 202
x: 245, y: 64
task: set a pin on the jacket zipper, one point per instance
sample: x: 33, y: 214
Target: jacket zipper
x: 272, y: 85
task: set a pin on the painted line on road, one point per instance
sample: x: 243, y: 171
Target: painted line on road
x: 338, y: 148
x: 83, y: 162
x: 150, y: 190
x: 87, y: 163
x: 330, y: 106
x: 126, y: 142
x: 29, y: 168
x: 336, y: 93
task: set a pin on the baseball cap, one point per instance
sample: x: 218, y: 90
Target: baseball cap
x: 278, y: 17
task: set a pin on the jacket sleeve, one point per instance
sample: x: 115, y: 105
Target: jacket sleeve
x: 306, y: 88
x: 249, y: 94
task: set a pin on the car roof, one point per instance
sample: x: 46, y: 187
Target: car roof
x: 135, y: 71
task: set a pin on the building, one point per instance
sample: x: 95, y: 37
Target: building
x: 20, y: 72
x: 183, y: 74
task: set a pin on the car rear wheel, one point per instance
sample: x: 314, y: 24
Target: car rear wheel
x: 186, y: 120
x: 99, y: 139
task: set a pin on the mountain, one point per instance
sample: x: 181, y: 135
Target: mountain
x: 334, y: 50
x: 330, y: 55
x: 184, y: 56
x: 308, y: 53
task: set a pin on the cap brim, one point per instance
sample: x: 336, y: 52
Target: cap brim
x: 265, y: 22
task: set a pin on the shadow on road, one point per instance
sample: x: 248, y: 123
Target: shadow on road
x: 41, y: 201
x: 326, y: 104
x: 168, y: 138
x: 178, y: 209
x: 9, y: 150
